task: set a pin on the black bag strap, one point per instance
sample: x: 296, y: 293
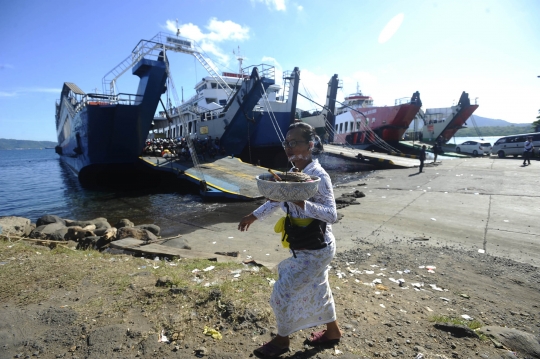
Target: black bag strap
x: 285, y: 231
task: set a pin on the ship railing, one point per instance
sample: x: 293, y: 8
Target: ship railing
x: 267, y: 71
x: 92, y: 99
x: 403, y: 100
x: 210, y: 115
x: 151, y: 49
x: 166, y: 41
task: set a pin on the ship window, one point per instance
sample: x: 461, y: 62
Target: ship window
x: 214, y: 85
x: 222, y: 102
x: 346, y: 126
x: 189, y: 127
x: 352, y: 128
x: 358, y: 125
x: 337, y: 128
x: 340, y: 128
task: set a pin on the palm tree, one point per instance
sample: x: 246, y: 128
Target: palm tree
x: 536, y: 124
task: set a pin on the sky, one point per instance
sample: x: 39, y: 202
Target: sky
x: 388, y: 49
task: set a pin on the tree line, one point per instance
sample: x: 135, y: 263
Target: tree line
x: 9, y: 144
x: 494, y: 131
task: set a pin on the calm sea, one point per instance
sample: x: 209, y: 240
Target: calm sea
x: 36, y: 182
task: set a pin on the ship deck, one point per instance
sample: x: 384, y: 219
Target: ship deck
x: 225, y: 177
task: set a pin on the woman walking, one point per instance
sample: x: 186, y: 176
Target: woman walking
x: 301, y: 297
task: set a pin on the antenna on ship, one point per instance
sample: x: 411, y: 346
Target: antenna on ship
x: 177, y: 29
x: 240, y: 58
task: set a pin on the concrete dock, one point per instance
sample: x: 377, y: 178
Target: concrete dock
x: 488, y: 204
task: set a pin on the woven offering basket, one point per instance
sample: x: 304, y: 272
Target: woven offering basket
x: 285, y: 191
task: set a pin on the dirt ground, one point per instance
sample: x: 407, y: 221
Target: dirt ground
x: 84, y: 304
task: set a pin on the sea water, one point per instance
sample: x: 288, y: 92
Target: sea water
x: 36, y: 182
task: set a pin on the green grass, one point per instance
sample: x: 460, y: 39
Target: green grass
x: 111, y: 285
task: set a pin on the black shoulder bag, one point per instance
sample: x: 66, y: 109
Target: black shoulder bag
x: 308, y: 237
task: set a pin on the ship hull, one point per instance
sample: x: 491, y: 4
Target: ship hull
x: 389, y: 123
x: 458, y: 122
x: 97, y: 139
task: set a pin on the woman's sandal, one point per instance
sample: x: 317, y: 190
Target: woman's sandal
x: 318, y: 340
x: 269, y: 350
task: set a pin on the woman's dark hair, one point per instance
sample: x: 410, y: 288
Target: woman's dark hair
x: 309, y: 134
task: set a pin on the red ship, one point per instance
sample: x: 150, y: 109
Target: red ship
x: 359, y: 122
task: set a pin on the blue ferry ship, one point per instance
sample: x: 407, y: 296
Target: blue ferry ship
x: 100, y: 135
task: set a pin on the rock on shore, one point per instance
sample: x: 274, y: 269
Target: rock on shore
x: 95, y: 233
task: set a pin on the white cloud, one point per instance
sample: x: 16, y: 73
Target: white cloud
x: 278, y: 5
x: 42, y: 90
x: 300, y: 8
x: 218, y: 31
x: 390, y: 29
x: 27, y: 90
x: 313, y: 86
x: 366, y: 82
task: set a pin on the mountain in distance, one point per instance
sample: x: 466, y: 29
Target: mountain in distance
x: 10, y: 144
x: 484, y: 122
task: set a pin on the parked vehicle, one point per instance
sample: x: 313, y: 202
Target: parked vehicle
x: 475, y: 148
x: 513, y: 145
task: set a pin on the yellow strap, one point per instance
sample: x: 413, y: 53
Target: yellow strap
x: 280, y: 227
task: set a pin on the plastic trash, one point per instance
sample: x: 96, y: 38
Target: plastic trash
x: 434, y: 287
x: 466, y: 317
x: 212, y: 332
x: 481, y: 251
x: 209, y: 268
x: 162, y: 338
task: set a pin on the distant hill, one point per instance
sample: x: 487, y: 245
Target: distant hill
x: 485, y: 131
x: 484, y: 121
x: 8, y: 144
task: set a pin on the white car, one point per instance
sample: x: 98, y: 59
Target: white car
x: 475, y: 148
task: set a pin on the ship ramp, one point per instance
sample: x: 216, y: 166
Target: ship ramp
x: 220, y: 177
x: 417, y: 145
x: 378, y: 159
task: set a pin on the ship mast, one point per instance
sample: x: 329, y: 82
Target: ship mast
x: 240, y: 58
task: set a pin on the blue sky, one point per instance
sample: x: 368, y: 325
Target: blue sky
x: 490, y: 49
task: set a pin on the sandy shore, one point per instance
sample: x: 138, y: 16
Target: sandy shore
x: 487, y: 204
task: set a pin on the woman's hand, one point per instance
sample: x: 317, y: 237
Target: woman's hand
x: 301, y: 204
x: 246, y: 222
